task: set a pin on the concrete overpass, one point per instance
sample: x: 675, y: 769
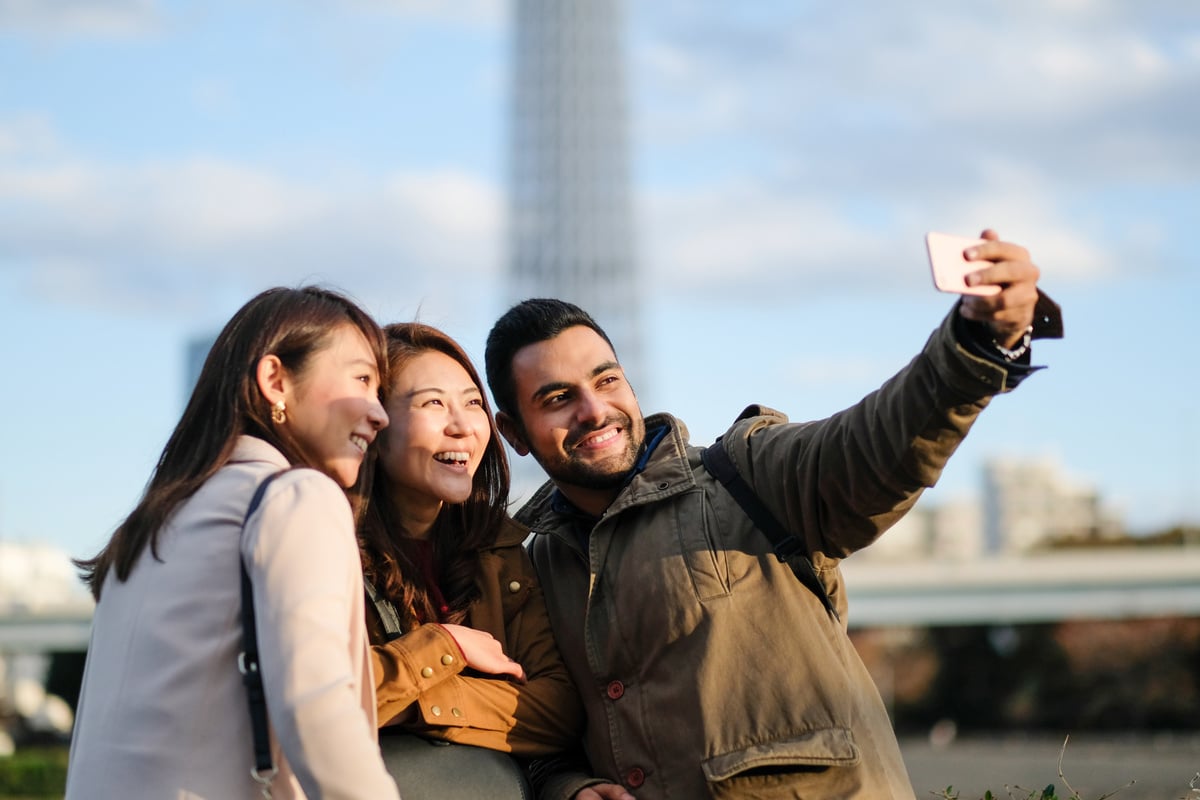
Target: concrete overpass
x: 1108, y: 584
x: 1119, y: 583
x: 45, y: 630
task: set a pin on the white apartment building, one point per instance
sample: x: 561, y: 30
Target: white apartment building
x: 1028, y: 503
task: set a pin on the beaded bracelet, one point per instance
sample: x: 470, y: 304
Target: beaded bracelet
x: 1013, y: 353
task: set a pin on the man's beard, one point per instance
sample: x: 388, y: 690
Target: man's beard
x: 607, y: 475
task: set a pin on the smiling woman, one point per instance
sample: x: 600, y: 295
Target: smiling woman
x: 462, y: 647
x: 289, y: 389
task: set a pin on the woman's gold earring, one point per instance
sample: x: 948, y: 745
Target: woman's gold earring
x: 279, y: 413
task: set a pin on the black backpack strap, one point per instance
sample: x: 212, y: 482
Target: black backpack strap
x: 788, y: 547
x: 388, y: 616
x: 264, y: 768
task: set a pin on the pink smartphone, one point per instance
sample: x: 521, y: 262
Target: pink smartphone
x: 949, y: 266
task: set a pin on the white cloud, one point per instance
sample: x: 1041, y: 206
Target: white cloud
x: 1081, y: 89
x: 833, y: 139
x: 724, y: 234
x: 118, y: 18
x: 169, y: 230
x: 454, y: 12
x: 738, y: 237
x: 27, y: 136
x: 823, y: 163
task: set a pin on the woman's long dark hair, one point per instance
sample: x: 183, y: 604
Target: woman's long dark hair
x: 460, y: 531
x: 292, y: 324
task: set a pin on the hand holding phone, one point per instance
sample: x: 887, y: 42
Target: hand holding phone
x: 950, y: 267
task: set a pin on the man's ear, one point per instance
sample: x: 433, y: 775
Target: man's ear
x: 272, y: 378
x: 512, y: 433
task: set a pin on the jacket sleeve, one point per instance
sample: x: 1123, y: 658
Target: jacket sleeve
x: 541, y: 716
x: 303, y: 562
x: 561, y: 776
x: 420, y: 667
x: 842, y: 481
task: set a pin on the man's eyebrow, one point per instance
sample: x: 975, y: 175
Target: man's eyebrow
x: 548, y: 388
x: 558, y: 386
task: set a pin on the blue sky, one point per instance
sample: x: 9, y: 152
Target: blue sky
x: 160, y: 162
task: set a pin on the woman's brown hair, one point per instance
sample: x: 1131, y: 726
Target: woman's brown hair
x: 292, y: 324
x: 460, y: 531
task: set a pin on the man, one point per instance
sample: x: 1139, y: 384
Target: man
x: 707, y: 668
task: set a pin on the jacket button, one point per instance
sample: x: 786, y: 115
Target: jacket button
x: 635, y: 778
x: 427, y: 672
x: 615, y: 690
x: 447, y: 659
x: 456, y: 712
x: 436, y: 711
x: 663, y: 485
x: 514, y: 587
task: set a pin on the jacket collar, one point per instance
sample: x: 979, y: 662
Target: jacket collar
x: 662, y: 470
x: 251, y: 448
x: 511, y: 533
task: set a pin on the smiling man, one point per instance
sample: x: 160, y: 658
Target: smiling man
x: 706, y: 667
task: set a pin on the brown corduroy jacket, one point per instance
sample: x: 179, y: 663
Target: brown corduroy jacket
x: 423, y: 670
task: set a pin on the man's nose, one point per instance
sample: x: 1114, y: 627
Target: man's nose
x: 590, y: 408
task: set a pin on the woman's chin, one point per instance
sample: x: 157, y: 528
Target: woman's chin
x: 454, y: 494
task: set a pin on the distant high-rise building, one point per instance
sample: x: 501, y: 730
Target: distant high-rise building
x: 951, y: 531
x: 571, y: 217
x: 1030, y: 502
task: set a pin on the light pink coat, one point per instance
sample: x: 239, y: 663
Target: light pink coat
x: 163, y: 711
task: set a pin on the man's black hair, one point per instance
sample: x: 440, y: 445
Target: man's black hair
x: 528, y: 322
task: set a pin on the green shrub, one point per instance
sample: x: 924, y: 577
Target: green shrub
x: 34, y: 773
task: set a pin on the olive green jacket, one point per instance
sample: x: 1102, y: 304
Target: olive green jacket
x: 706, y: 668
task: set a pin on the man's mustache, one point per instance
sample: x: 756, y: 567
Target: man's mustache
x: 578, y: 435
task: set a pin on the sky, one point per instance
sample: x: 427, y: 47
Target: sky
x: 163, y: 161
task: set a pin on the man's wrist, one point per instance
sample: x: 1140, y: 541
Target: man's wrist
x: 1020, y: 348
x: 978, y: 339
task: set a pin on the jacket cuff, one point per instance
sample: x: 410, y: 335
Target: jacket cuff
x: 973, y: 337
x: 954, y: 350
x: 565, y: 786
x: 421, y: 666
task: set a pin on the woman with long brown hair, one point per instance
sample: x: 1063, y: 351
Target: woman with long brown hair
x: 289, y: 393
x: 471, y: 658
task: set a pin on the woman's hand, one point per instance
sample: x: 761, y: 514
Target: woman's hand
x: 603, y: 791
x: 483, y: 652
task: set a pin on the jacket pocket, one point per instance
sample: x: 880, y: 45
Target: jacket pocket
x: 707, y: 564
x: 827, y: 747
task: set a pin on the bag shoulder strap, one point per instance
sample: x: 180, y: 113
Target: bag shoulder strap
x: 787, y: 546
x: 388, y: 615
x: 264, y: 768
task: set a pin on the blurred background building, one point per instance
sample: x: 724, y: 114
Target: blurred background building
x: 1023, y: 505
x: 571, y: 231
x: 40, y: 597
x: 1028, y: 503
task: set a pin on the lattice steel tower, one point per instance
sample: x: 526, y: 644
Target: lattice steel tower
x: 571, y: 217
